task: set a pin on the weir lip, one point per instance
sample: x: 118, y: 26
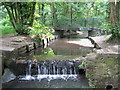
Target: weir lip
x: 51, y: 70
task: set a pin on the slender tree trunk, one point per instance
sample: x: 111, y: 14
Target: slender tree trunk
x: 118, y: 11
x: 54, y: 15
x: 86, y: 20
x: 11, y: 18
x: 32, y: 13
x: 43, y: 18
x: 21, y: 15
x: 71, y: 15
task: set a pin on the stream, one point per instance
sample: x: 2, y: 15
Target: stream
x: 55, y: 66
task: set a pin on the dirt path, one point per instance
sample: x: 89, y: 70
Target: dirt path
x: 106, y: 47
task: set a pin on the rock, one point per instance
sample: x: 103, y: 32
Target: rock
x: 8, y: 76
x: 14, y: 66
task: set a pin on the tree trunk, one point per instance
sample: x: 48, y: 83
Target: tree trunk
x: 114, y: 20
x: 32, y: 14
x: 43, y: 18
x: 118, y: 11
x: 71, y: 15
x: 54, y: 16
x: 113, y: 13
x: 21, y: 15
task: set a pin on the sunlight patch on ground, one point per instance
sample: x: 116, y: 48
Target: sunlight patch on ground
x: 82, y: 42
x: 110, y: 50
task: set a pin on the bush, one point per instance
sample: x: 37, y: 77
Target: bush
x: 39, y: 31
x: 5, y: 27
x: 115, y: 30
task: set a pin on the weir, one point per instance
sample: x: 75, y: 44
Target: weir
x: 50, y: 70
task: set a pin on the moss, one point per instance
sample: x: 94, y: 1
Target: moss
x: 102, y: 70
x: 54, y: 57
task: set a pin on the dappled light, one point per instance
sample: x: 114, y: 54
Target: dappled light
x: 59, y: 44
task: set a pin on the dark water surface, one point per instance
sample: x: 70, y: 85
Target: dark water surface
x: 79, y: 82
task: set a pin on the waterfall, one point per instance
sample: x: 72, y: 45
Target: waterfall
x: 28, y: 75
x: 28, y: 70
x: 54, y: 69
x: 57, y: 70
x: 39, y: 71
x: 74, y: 70
x: 50, y: 70
x: 70, y: 70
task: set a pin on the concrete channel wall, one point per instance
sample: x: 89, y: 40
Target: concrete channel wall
x: 9, y: 55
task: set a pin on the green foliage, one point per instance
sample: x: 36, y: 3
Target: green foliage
x: 39, y: 31
x: 64, y: 14
x: 5, y: 27
x: 74, y: 14
x: 82, y: 64
x: 115, y: 30
x: 6, y: 30
x: 21, y: 15
x: 49, y: 52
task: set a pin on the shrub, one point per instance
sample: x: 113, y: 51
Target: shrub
x: 39, y: 31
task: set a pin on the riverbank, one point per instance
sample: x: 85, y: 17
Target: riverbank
x: 13, y: 42
x: 102, y: 67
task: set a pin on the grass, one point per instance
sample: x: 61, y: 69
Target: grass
x: 4, y: 30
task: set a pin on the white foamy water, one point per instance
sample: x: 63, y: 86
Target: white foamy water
x: 48, y: 77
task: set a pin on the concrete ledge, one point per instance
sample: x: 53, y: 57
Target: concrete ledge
x: 13, y: 46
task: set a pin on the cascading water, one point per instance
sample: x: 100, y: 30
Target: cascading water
x: 49, y: 70
x: 28, y: 72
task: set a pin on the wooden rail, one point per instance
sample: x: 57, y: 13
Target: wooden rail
x: 75, y: 28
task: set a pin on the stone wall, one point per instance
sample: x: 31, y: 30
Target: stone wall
x: 9, y: 56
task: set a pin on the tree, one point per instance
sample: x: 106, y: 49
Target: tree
x: 21, y: 15
x: 54, y: 15
x: 114, y: 12
x: 114, y: 19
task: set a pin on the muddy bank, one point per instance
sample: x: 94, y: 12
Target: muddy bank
x: 102, y: 70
